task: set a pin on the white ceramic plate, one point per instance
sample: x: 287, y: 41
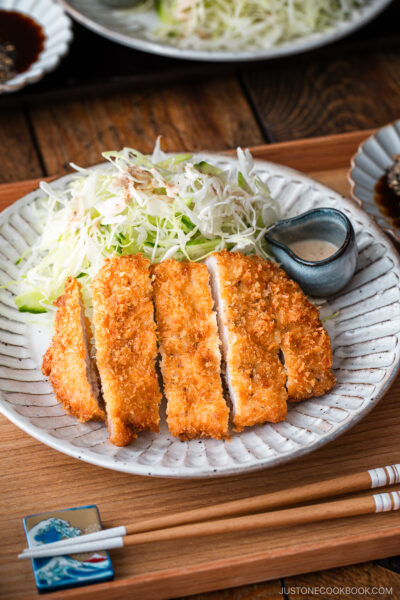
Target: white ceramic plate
x: 135, y: 29
x: 58, y: 31
x: 365, y: 340
x: 373, y: 157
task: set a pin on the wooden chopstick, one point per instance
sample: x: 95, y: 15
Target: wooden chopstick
x: 283, y: 518
x: 339, y: 486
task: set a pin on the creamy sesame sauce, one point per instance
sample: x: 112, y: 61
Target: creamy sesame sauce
x: 313, y: 250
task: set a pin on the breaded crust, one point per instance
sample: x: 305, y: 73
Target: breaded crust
x: 126, y: 346
x: 305, y: 344
x: 255, y: 375
x: 189, y: 348
x: 67, y: 362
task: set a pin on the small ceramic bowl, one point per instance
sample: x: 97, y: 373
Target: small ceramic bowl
x: 317, y: 278
x: 58, y: 33
x: 368, y: 165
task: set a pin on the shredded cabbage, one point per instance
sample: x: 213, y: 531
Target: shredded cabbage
x: 247, y: 24
x: 164, y: 206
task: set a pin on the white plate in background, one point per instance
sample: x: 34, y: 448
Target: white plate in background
x: 135, y: 29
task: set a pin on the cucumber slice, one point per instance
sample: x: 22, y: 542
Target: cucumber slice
x: 30, y: 302
x: 207, y: 169
x: 174, y: 160
x: 243, y: 183
x: 165, y: 10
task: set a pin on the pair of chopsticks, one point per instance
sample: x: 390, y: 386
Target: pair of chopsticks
x: 199, y: 522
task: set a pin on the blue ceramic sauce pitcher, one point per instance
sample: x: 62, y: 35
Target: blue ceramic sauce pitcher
x: 317, y: 277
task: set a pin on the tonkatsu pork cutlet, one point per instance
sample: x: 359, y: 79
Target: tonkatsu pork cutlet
x: 254, y: 373
x: 305, y: 343
x: 189, y: 347
x: 126, y: 345
x: 67, y: 362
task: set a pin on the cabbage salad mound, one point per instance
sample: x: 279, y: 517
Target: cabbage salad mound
x: 163, y: 206
x: 247, y: 24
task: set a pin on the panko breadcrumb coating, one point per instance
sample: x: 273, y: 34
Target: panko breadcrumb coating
x: 264, y: 318
x: 189, y: 348
x: 126, y: 345
x: 305, y: 343
x: 251, y: 339
x: 67, y: 362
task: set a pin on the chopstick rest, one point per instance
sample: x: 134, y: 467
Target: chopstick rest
x: 69, y: 569
x: 346, y: 484
x: 283, y: 518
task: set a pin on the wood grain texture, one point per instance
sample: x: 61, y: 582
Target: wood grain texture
x: 260, y: 591
x: 361, y: 579
x: 319, y: 153
x: 18, y: 156
x: 9, y: 192
x: 318, y: 157
x: 177, y: 569
x: 213, y: 115
x: 323, y: 93
x: 58, y: 481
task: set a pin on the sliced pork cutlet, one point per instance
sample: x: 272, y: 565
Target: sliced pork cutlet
x: 189, y: 347
x: 305, y: 343
x: 250, y: 337
x: 126, y: 346
x: 68, y: 362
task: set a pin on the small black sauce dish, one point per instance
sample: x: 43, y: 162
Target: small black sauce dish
x: 317, y: 278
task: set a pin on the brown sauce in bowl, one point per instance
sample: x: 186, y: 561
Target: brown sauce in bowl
x: 21, y: 41
x: 387, y: 201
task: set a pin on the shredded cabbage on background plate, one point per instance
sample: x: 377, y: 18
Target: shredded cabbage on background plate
x: 164, y: 206
x: 247, y: 24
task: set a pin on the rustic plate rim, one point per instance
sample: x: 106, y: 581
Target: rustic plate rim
x: 160, y: 471
x: 392, y: 232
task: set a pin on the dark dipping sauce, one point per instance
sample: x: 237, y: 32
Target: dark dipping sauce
x: 387, y: 201
x: 24, y: 36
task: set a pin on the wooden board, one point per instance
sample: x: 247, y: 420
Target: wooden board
x: 196, y: 116
x: 35, y: 478
x: 119, y: 68
x: 351, y: 85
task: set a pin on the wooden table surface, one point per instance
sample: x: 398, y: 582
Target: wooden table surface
x: 105, y: 96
